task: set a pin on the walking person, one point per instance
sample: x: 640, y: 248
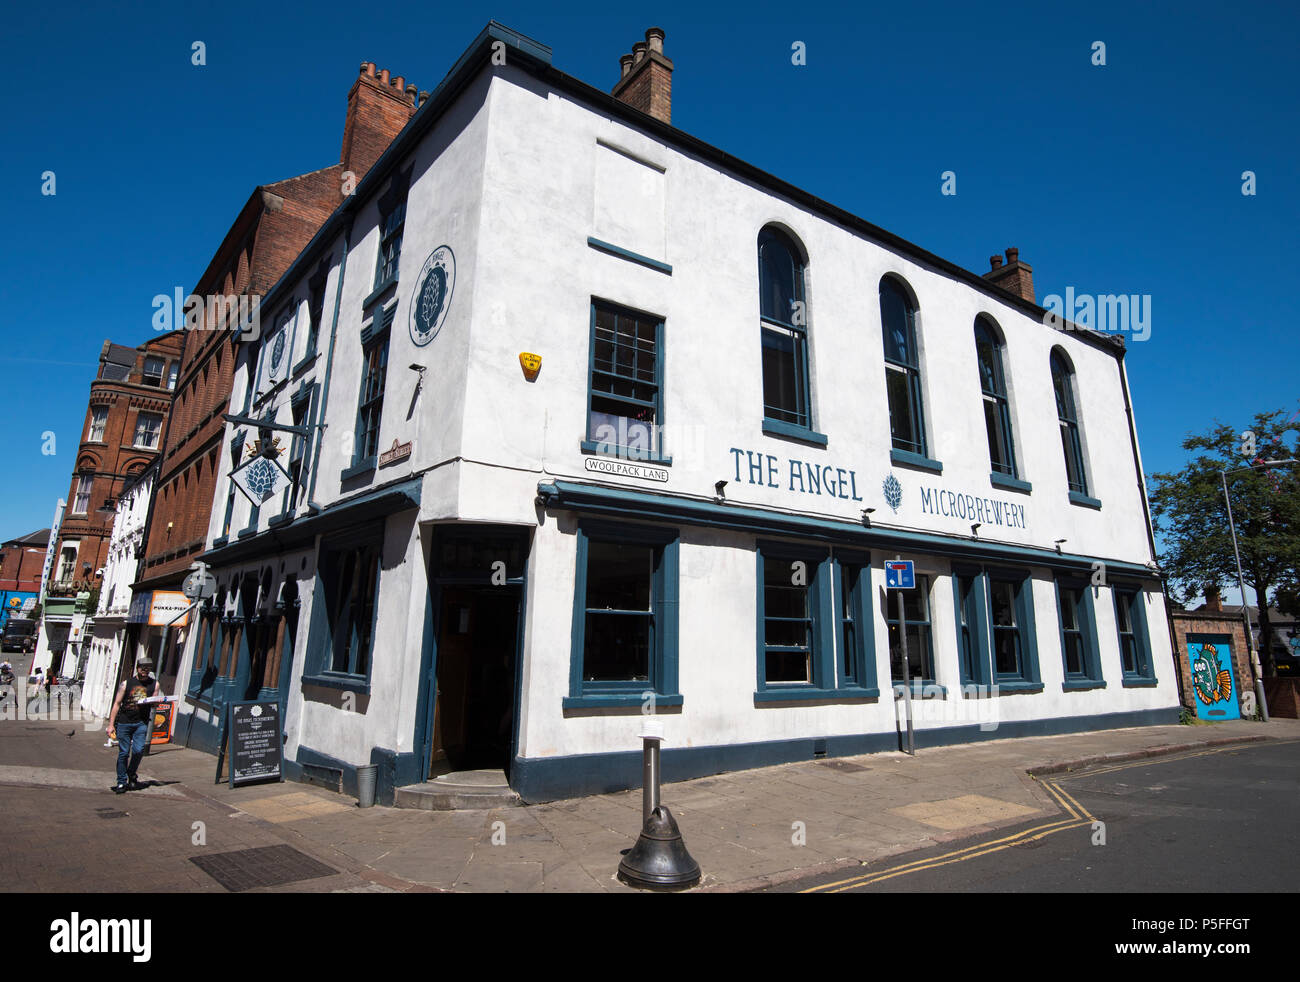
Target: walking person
x: 130, y: 724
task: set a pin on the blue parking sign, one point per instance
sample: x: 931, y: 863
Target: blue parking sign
x: 900, y: 575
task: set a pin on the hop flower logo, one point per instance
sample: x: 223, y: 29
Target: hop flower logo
x: 261, y: 478
x: 893, y: 492
x: 432, y: 296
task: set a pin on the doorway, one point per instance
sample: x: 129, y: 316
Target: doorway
x: 473, y: 715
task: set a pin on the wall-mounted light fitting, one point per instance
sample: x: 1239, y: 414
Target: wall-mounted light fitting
x: 975, y: 528
x: 719, y: 492
x: 1058, y: 542
x: 866, y: 516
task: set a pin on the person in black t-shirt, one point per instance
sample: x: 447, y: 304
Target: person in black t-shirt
x: 130, y: 721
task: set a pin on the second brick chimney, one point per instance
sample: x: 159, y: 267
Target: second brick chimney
x: 378, y: 108
x: 1015, y: 276
x: 1213, y: 601
x: 646, y: 79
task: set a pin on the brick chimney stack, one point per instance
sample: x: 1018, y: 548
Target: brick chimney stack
x: 1213, y: 601
x: 378, y: 108
x: 1015, y: 277
x: 646, y: 79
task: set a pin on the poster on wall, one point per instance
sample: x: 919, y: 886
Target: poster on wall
x: 1213, y: 684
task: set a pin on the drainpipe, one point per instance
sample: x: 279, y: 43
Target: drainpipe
x: 312, y: 506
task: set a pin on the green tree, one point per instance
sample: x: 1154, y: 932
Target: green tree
x: 1192, y: 521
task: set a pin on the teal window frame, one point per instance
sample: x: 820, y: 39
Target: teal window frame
x: 610, y: 378
x: 370, y: 401
x: 1131, y: 598
x: 1085, y: 616
x: 856, y: 638
x: 779, y: 332
x: 996, y: 405
x: 909, y: 366
x: 973, y: 608
x: 1026, y: 676
x: 392, y: 221
x: 1067, y: 412
x: 821, y: 616
x: 333, y: 632
x: 891, y: 620
x: 664, y: 592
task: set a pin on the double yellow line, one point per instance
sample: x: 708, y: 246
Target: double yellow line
x: 1078, y: 817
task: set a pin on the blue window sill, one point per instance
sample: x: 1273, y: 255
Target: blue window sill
x: 922, y: 687
x: 1077, y: 685
x: 808, y: 693
x: 378, y: 292
x: 621, y: 700
x: 352, y: 683
x: 284, y: 518
x: 270, y: 394
x: 779, y: 427
x: 1018, y: 686
x: 357, y: 469
x: 635, y: 257
x: 307, y: 361
x: 1137, y: 682
x: 905, y: 458
x: 1082, y: 499
x: 219, y: 542
x: 1010, y: 483
x: 245, y: 533
x: 631, y: 455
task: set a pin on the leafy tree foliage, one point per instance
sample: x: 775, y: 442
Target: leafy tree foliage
x: 1191, y: 518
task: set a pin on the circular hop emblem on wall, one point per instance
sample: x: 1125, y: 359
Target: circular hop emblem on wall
x: 432, y: 297
x: 261, y: 478
x: 893, y: 492
x: 277, y: 349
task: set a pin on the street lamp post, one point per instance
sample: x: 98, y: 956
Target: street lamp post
x: 1255, y: 668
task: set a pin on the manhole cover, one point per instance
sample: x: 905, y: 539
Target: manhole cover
x: 267, y: 866
x: 843, y: 765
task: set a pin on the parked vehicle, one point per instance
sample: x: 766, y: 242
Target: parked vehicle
x: 20, y: 635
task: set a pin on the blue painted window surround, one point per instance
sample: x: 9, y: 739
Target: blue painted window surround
x: 902, y: 369
x: 996, y: 636
x: 815, y: 634
x: 624, y: 635
x: 625, y: 391
x: 1079, y: 647
x: 1134, y: 639
x: 783, y: 329
x: 920, y: 644
x: 370, y: 406
x: 993, y: 388
x: 344, y: 607
x: 1068, y: 420
x: 392, y: 219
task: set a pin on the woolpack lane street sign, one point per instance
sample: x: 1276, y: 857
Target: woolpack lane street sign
x: 900, y: 574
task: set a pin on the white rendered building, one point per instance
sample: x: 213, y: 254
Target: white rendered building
x: 747, y: 401
x: 110, y: 617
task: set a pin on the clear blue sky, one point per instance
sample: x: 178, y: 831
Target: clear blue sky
x: 1117, y: 179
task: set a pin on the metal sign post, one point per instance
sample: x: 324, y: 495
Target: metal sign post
x: 901, y: 575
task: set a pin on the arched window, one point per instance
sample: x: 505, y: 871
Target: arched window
x: 1067, y: 414
x: 993, y: 387
x: 902, y: 368
x: 784, y: 329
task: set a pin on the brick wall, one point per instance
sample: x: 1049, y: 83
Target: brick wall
x: 1204, y: 622
x: 647, y: 78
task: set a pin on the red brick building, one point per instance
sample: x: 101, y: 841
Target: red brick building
x: 272, y: 228
x: 130, y: 399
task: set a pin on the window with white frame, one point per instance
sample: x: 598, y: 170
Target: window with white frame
x: 98, y: 421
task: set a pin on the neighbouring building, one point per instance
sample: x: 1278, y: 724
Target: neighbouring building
x: 130, y: 398
x: 21, y: 562
x: 274, y: 225
x: 595, y: 420
x: 116, y: 628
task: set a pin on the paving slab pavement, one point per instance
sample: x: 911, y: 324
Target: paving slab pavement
x: 746, y: 829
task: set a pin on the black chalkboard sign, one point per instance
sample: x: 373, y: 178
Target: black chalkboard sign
x: 256, y: 742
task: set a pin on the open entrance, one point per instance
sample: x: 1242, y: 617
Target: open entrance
x: 473, y: 716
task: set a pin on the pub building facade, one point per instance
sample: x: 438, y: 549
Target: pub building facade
x: 591, y: 420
